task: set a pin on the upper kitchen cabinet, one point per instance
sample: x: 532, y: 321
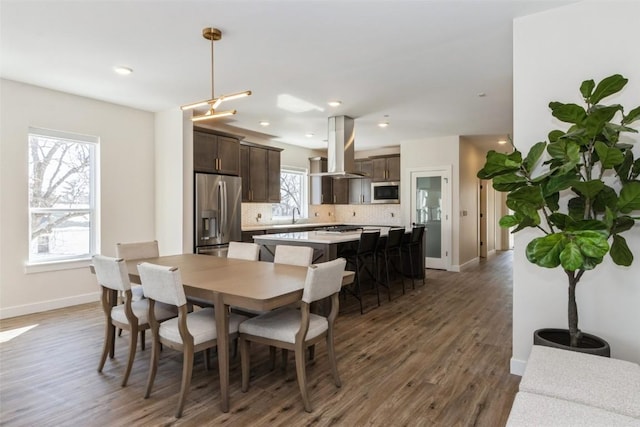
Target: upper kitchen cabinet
x: 326, y: 190
x: 321, y: 186
x: 216, y: 153
x: 360, y: 188
x: 386, y: 168
x: 260, y: 172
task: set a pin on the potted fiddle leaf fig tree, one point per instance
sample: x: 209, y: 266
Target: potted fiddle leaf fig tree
x: 580, y: 190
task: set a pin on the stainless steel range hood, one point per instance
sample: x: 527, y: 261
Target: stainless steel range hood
x: 340, y: 153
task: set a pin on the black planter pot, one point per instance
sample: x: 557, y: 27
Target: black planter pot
x: 559, y: 338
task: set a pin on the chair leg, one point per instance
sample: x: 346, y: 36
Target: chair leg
x: 413, y: 279
x: 187, y: 369
x: 245, y: 363
x: 207, y: 357
x: 285, y: 360
x: 400, y: 270
x: 312, y: 351
x: 142, y: 340
x: 332, y: 359
x: 386, y: 270
x: 374, y: 260
x: 153, y: 364
x: 107, y: 349
x: 119, y: 332
x: 133, y: 344
x: 301, y: 373
x: 359, y: 285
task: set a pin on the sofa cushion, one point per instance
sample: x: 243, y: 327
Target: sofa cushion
x: 536, y: 410
x: 610, y: 384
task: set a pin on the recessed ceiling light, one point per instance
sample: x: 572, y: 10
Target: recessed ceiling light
x: 264, y: 123
x: 482, y: 95
x: 335, y: 103
x: 502, y: 141
x: 308, y: 134
x: 123, y: 71
x: 383, y: 124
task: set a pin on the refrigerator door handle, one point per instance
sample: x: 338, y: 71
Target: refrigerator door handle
x: 223, y: 207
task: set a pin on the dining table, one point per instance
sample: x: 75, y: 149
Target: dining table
x: 254, y: 285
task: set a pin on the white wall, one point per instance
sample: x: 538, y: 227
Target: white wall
x: 471, y: 161
x: 431, y: 153
x: 554, y: 52
x: 126, y: 189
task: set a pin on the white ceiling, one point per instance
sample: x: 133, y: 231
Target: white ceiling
x: 421, y: 63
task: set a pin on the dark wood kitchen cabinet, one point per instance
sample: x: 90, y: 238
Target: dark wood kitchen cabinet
x: 215, y: 153
x: 360, y: 188
x: 260, y: 172
x: 386, y: 168
x: 326, y: 190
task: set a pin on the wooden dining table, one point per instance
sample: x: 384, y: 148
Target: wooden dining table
x: 254, y: 285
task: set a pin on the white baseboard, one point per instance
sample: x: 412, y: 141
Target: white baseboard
x: 38, y: 307
x: 491, y: 253
x: 471, y: 263
x: 517, y: 366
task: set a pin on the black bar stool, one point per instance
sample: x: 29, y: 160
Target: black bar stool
x: 390, y: 249
x: 415, y: 242
x: 359, y: 259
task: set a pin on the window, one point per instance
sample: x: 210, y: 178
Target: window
x: 293, y: 194
x: 62, y: 193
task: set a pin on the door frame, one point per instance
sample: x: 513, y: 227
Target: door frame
x: 447, y: 203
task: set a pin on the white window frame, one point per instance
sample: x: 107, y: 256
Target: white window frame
x: 304, y: 173
x: 35, y: 264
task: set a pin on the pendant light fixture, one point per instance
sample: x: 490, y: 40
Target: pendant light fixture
x: 214, y: 34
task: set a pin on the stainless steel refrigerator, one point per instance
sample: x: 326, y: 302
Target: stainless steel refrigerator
x: 217, y: 222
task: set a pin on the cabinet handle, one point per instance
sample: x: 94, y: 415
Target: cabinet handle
x: 322, y: 198
x: 335, y: 198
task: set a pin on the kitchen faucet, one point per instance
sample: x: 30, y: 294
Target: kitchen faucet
x: 293, y: 215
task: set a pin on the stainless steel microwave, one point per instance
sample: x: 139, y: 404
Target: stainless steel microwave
x: 385, y: 192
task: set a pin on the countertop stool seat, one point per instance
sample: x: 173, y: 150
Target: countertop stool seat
x: 410, y: 247
x: 390, y: 249
x: 363, y: 260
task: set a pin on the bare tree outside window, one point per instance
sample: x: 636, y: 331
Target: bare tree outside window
x: 61, y: 187
x: 292, y: 194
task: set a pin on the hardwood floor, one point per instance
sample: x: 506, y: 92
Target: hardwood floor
x: 437, y: 356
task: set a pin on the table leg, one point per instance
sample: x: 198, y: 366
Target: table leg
x: 222, y: 325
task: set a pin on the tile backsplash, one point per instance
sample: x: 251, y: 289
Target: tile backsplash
x: 254, y: 214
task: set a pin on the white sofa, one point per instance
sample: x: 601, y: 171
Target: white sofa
x: 566, y: 388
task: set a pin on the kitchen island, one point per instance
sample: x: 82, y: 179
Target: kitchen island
x: 326, y: 244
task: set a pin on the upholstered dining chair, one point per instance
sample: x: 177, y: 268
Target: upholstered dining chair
x: 297, y: 329
x: 293, y: 255
x: 190, y: 332
x: 137, y: 250
x: 244, y: 250
x: 113, y: 277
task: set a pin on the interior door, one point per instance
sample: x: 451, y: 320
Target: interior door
x: 431, y: 206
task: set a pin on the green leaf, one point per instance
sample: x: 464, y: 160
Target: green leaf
x: 635, y: 170
x: 560, y: 182
x: 576, y: 208
x: 568, y: 113
x: 588, y: 189
x: 629, y: 197
x: 568, y: 152
x: 586, y: 88
x: 587, y: 224
x: 620, y: 252
x: 632, y: 116
x: 547, y: 249
x: 609, y: 156
x: 571, y: 258
x: 552, y: 201
x: 499, y: 164
x: 534, y: 155
x: 624, y: 168
x: 599, y: 117
x: 621, y: 224
x: 508, y: 221
x: 527, y: 195
x: 607, y: 198
x: 608, y: 86
x: 554, y: 135
x: 509, y: 182
x: 526, y: 222
x: 560, y: 220
x: 592, y: 243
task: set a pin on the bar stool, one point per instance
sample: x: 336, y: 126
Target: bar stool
x: 359, y: 259
x: 415, y: 242
x: 392, y: 248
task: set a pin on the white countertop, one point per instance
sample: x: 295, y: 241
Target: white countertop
x: 296, y: 225
x: 317, y: 236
